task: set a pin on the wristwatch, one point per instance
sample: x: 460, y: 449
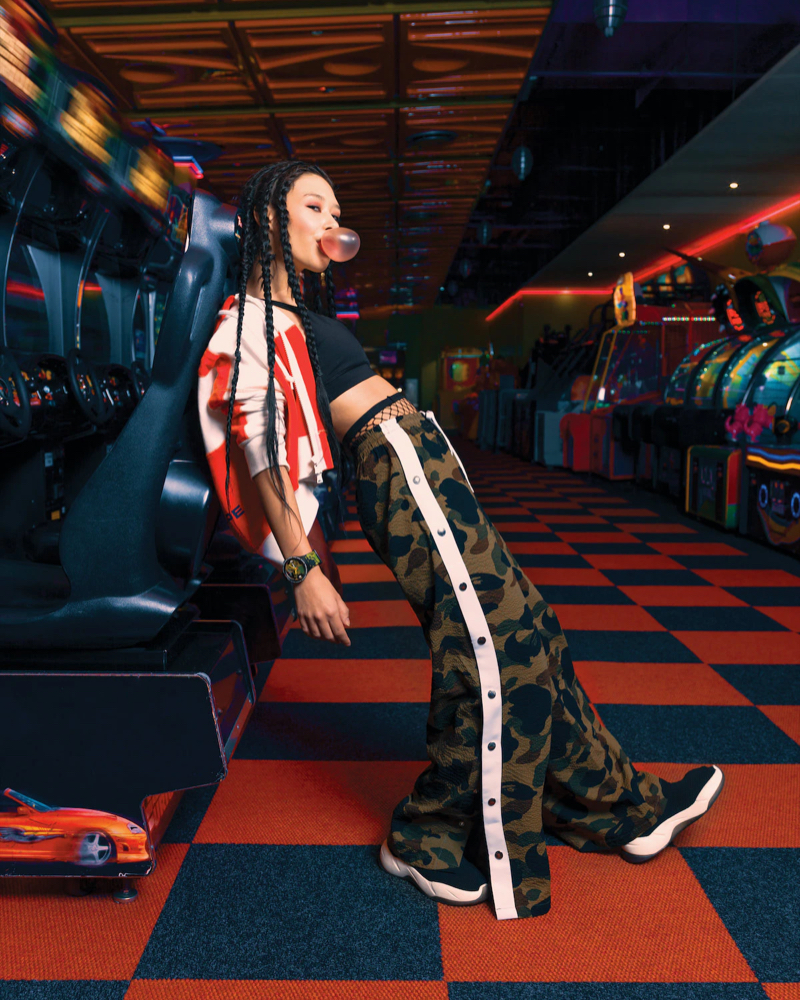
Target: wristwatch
x: 296, y: 568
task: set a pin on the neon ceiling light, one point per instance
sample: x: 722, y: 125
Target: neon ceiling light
x: 524, y: 292
x: 668, y: 260
x: 719, y: 236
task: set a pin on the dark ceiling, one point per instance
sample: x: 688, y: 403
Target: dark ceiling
x: 359, y: 87
x: 601, y: 115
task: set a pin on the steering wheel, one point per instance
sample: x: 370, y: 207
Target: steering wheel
x: 15, y: 400
x: 87, y: 390
x: 141, y: 378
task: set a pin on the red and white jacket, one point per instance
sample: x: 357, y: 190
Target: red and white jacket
x: 302, y: 442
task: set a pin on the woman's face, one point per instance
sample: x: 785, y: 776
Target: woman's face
x: 313, y: 209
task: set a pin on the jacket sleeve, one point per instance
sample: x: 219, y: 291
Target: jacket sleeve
x: 249, y: 424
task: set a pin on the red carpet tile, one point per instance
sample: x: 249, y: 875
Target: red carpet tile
x: 350, y: 545
x: 605, y: 617
x: 604, y: 922
x: 782, y: 991
x: 551, y: 504
x: 656, y: 684
x: 548, y: 576
x: 499, y: 511
x: 283, y: 989
x: 749, y: 577
x: 609, y: 560
x: 365, y: 574
x: 752, y: 792
x: 595, y: 537
x: 622, y: 511
x: 788, y: 617
x: 534, y: 527
x: 695, y: 549
x: 347, y: 681
x: 683, y: 597
x: 571, y: 519
x: 785, y: 717
x: 541, y: 549
x: 307, y: 801
x: 57, y: 937
x: 743, y: 647
x: 378, y: 614
x: 655, y: 528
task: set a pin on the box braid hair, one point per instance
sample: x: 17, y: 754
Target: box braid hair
x: 269, y: 186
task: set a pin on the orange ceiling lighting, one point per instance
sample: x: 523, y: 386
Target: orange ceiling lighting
x: 403, y: 108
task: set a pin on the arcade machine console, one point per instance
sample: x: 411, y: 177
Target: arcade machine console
x: 116, y: 694
x: 770, y: 508
x: 712, y: 427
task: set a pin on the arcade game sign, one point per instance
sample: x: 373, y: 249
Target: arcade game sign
x: 624, y: 301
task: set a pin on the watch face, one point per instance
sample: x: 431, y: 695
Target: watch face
x: 295, y: 569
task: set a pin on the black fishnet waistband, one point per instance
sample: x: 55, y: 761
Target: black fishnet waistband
x: 392, y: 406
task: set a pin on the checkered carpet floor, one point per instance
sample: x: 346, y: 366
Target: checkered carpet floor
x: 268, y: 888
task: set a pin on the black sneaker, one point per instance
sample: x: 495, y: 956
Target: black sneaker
x: 687, y: 800
x: 462, y: 886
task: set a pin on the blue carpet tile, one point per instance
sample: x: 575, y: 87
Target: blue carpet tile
x: 694, y: 734
x: 243, y: 911
x: 764, y: 685
x: 741, y: 883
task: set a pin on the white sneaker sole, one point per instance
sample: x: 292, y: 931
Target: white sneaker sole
x: 647, y: 846
x: 435, y: 890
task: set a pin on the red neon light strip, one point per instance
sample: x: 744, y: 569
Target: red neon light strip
x: 24, y: 291
x: 669, y: 260
x: 547, y: 291
x: 719, y: 236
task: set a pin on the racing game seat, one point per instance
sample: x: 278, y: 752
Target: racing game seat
x: 111, y: 590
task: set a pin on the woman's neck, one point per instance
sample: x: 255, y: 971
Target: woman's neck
x: 279, y: 284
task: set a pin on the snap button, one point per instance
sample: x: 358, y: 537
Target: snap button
x: 492, y: 802
x: 492, y: 694
x: 441, y: 531
x: 415, y: 480
x: 462, y: 586
x: 498, y: 855
x: 492, y: 746
x: 481, y: 640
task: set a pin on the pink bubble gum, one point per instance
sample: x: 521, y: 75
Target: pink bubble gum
x: 340, y: 244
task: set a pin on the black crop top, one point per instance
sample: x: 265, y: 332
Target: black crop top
x: 341, y: 357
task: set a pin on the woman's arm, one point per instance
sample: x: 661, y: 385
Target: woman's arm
x: 320, y: 610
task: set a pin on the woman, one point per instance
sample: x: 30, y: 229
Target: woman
x: 512, y: 740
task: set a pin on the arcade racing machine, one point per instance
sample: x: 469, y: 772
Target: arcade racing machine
x: 122, y: 677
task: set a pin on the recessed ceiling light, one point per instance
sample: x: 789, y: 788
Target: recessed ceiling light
x: 734, y: 184
x: 665, y: 226
x: 621, y: 253
x: 590, y: 273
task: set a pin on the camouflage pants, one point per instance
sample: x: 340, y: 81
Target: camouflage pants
x: 502, y: 768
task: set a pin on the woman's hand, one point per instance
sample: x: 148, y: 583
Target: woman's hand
x: 320, y: 611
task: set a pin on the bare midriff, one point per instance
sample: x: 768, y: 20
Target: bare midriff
x: 354, y: 403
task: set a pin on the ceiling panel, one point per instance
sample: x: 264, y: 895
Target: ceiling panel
x: 402, y: 103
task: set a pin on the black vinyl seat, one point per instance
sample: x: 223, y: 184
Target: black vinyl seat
x: 112, y: 589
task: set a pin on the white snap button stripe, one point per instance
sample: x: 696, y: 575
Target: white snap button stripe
x: 486, y: 658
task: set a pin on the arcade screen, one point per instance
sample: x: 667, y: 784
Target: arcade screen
x: 709, y: 372
x: 94, y: 335
x: 773, y: 385
x: 736, y: 380
x: 26, y: 316
x: 633, y: 370
x: 675, y: 394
